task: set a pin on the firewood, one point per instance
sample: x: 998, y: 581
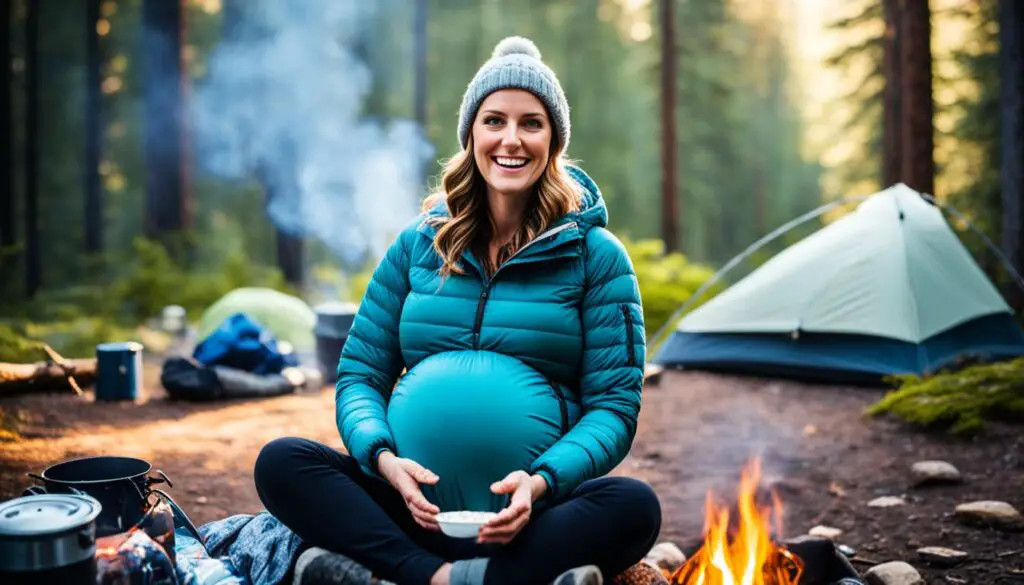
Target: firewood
x: 46, y: 376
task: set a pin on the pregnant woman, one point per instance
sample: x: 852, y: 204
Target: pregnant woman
x: 517, y: 318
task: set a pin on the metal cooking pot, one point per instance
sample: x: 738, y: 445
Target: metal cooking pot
x: 823, y: 563
x: 122, y: 485
x: 48, y: 538
x: 333, y: 321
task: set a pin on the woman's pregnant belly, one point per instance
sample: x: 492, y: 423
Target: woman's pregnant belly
x: 472, y: 417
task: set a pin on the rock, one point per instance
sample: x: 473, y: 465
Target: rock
x: 825, y: 532
x: 942, y: 556
x: 893, y: 573
x: 887, y: 502
x: 666, y: 556
x: 652, y: 374
x: 990, y: 514
x: 932, y: 472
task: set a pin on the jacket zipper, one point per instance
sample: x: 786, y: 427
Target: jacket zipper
x: 485, y: 293
x: 630, y: 349
x: 562, y: 406
x: 478, y: 321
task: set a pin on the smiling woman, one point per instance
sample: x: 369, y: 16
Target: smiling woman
x: 516, y: 315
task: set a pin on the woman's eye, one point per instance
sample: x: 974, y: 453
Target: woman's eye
x: 492, y: 121
x: 532, y: 123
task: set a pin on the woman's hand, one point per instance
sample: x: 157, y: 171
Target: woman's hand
x: 405, y: 475
x: 525, y: 490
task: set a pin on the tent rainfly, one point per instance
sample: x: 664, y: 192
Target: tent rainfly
x: 887, y: 289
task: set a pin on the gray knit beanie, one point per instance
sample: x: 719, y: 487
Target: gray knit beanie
x: 516, y: 64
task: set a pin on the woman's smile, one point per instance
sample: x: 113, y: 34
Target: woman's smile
x: 512, y: 164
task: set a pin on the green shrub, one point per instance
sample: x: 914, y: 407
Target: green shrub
x: 153, y: 280
x: 15, y: 347
x: 74, y: 319
x: 960, y: 401
x: 666, y: 280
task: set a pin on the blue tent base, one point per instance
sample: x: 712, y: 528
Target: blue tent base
x: 842, y: 358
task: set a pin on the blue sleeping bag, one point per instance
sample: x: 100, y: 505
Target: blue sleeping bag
x: 242, y: 343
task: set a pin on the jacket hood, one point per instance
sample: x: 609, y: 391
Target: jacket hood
x: 592, y: 212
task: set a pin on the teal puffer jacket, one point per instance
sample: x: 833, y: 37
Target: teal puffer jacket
x: 538, y: 368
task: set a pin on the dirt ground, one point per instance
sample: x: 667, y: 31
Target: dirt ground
x: 697, y: 430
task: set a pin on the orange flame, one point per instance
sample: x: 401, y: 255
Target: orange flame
x: 748, y: 556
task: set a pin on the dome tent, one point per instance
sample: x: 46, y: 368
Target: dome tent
x: 887, y: 289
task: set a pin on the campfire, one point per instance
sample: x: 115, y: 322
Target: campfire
x: 740, y: 547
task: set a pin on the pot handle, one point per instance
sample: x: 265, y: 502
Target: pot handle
x: 180, y: 518
x: 39, y: 490
x: 162, y: 479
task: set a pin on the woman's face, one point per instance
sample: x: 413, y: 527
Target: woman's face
x: 511, y: 141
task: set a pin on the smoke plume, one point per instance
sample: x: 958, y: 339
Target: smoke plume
x: 282, y: 103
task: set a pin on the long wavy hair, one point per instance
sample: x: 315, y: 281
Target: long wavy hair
x: 469, y: 226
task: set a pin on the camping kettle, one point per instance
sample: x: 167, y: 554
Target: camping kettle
x: 48, y: 538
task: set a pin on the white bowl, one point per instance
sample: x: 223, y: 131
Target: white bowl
x: 463, y: 524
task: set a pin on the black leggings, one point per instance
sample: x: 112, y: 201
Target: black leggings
x: 326, y: 499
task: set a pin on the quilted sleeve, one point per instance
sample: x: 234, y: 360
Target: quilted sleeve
x: 371, y: 361
x: 614, y: 353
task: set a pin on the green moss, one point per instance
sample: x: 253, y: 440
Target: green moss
x: 960, y: 401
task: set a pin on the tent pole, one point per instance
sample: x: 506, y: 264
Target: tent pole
x: 764, y: 241
x: 985, y: 239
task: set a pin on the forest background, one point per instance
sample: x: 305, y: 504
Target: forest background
x: 164, y: 152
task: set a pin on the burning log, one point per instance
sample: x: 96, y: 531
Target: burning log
x: 747, y: 553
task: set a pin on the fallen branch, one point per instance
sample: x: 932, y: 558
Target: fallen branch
x: 864, y: 561
x: 47, y: 376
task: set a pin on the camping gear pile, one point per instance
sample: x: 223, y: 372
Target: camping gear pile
x: 240, y: 359
x: 887, y: 289
x: 254, y: 342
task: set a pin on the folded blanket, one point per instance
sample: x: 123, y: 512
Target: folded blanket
x: 239, y: 550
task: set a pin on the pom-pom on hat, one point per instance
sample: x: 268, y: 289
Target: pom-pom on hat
x: 516, y: 63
